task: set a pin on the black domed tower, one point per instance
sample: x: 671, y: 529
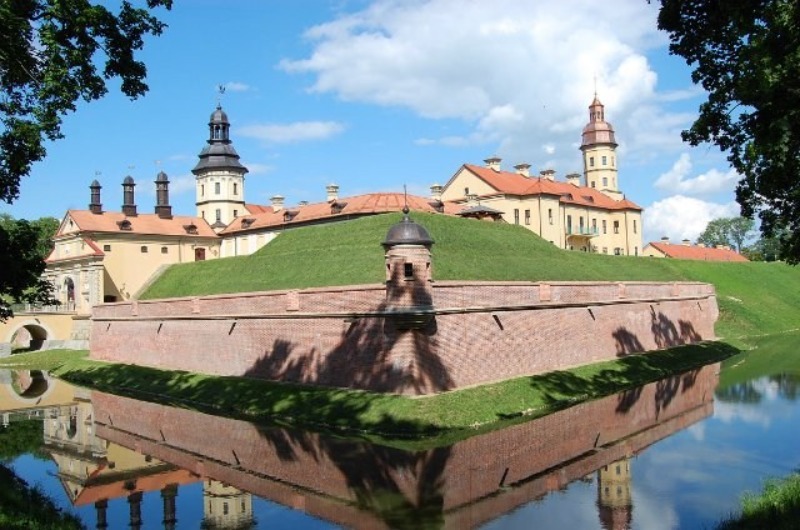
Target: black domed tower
x: 408, y: 267
x: 220, y: 175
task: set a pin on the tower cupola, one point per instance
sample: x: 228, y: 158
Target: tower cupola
x: 599, y: 148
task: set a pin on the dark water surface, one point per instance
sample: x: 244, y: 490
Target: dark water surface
x: 678, y: 453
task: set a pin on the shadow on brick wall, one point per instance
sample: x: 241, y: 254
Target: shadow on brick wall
x: 386, y: 354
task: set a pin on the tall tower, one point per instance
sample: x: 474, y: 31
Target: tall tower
x: 220, y: 175
x: 599, y: 152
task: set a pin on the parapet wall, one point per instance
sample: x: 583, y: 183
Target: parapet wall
x: 478, y: 332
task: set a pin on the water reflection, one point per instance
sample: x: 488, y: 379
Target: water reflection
x: 110, y: 450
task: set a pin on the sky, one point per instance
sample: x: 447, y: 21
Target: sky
x: 377, y: 95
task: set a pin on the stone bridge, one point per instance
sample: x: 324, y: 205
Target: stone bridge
x: 44, y: 330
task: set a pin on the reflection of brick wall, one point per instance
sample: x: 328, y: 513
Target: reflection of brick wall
x: 482, y: 332
x: 466, y: 481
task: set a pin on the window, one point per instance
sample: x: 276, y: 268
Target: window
x: 106, y: 248
x: 604, y: 226
x: 236, y: 212
x: 569, y: 224
x: 550, y: 215
x: 604, y: 160
x: 203, y: 214
x: 635, y: 251
x: 216, y: 188
x: 235, y: 188
x: 593, y: 184
x: 466, y: 192
x: 164, y: 250
x: 144, y: 249
x: 527, y: 217
x: 202, y: 190
x: 594, y: 226
x: 605, y: 250
x: 591, y: 161
x: 580, y: 222
x: 634, y: 226
x: 617, y: 251
x: 408, y: 271
x: 516, y: 216
x: 613, y: 161
x: 605, y: 182
x: 219, y: 215
x: 616, y: 227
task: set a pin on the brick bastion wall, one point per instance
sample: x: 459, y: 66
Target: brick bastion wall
x: 469, y: 483
x: 369, y: 337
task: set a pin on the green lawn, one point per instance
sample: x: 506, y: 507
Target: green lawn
x: 754, y: 298
x: 777, y: 507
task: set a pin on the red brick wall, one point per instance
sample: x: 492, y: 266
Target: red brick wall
x: 314, y: 473
x: 481, y: 332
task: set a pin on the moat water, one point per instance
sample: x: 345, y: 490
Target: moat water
x: 678, y: 453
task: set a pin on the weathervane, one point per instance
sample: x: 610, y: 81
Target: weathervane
x: 220, y: 93
x: 405, y: 201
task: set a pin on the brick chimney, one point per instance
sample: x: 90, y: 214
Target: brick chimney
x: 493, y: 163
x: 686, y: 243
x: 163, y: 209
x: 277, y: 203
x: 436, y: 192
x: 95, y: 206
x: 665, y: 239
x: 523, y: 169
x: 548, y: 174
x: 128, y: 202
x: 574, y: 179
x: 333, y: 192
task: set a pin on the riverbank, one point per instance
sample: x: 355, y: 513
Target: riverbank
x: 411, y: 423
x: 776, y: 507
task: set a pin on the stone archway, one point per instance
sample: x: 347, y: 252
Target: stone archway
x: 29, y: 385
x: 30, y: 334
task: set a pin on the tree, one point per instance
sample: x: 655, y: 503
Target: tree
x: 49, y: 59
x: 25, y: 246
x: 746, y: 55
x: 730, y: 231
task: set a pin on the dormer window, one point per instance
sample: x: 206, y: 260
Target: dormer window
x: 247, y: 221
x: 124, y: 225
x: 288, y: 215
x: 190, y: 229
x: 337, y: 207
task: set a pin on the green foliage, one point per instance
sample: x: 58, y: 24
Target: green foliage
x: 52, y: 61
x: 730, y: 231
x: 746, y: 55
x: 23, y: 507
x: 749, y: 294
x: 20, y: 437
x: 23, y: 247
x: 777, y: 507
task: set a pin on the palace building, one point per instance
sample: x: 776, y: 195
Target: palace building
x: 106, y: 256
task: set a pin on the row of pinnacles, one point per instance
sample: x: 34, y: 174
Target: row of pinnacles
x: 162, y: 208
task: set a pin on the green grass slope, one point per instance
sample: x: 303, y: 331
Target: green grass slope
x: 754, y: 298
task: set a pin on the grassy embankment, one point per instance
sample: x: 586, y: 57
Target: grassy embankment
x: 777, y: 507
x: 754, y: 298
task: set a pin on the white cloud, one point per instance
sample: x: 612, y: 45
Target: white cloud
x: 182, y: 184
x: 235, y: 86
x: 292, y: 132
x: 713, y: 181
x: 254, y: 168
x: 680, y: 217
x: 519, y: 73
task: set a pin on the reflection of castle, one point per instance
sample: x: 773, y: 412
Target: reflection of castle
x: 226, y: 507
x: 614, y: 500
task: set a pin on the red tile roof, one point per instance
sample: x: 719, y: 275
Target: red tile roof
x: 516, y: 184
x: 143, y: 224
x: 344, y: 207
x: 697, y: 253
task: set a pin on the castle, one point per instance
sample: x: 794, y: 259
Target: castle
x: 103, y: 256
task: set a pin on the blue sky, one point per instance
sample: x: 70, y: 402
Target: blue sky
x: 372, y: 95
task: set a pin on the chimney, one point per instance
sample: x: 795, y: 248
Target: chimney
x: 701, y: 245
x: 493, y: 163
x: 302, y: 203
x: 472, y: 199
x: 686, y: 243
x: 523, y: 169
x: 163, y: 209
x: 95, y: 206
x: 574, y: 179
x: 665, y: 240
x: 333, y: 192
x: 277, y: 203
x: 549, y: 174
x: 128, y: 203
x: 436, y: 192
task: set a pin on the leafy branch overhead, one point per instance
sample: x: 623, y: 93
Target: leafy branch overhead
x: 49, y: 58
x: 746, y: 55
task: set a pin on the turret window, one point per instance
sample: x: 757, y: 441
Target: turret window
x: 235, y: 188
x: 218, y: 215
x: 591, y: 161
x: 605, y: 182
x: 634, y: 226
x: 202, y: 190
x: 216, y: 188
x: 605, y: 160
